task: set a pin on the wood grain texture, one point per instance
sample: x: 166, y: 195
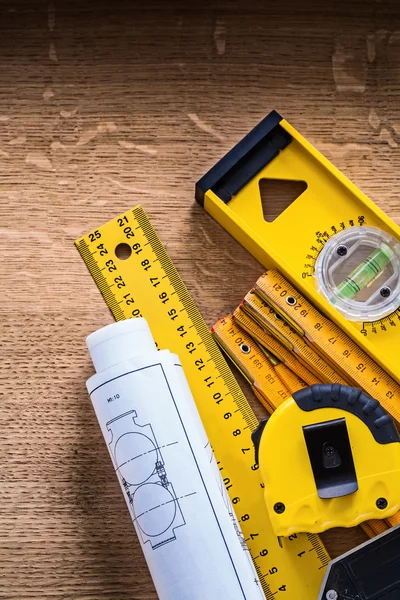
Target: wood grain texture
x: 104, y: 105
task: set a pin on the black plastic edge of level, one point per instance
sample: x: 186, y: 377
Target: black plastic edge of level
x: 244, y: 160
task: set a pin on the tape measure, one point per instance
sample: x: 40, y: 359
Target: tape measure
x: 229, y: 334
x: 332, y: 243
x: 343, y: 452
x: 376, y: 464
x: 137, y: 278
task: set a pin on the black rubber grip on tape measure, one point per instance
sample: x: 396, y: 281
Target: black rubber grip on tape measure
x: 245, y: 160
x: 352, y: 400
x: 256, y: 438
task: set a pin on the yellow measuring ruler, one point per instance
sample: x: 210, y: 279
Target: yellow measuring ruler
x: 273, y: 345
x: 268, y: 318
x: 321, y: 333
x: 252, y: 363
x: 137, y: 278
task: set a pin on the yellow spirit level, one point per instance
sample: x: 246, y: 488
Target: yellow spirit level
x: 332, y: 243
x: 336, y: 460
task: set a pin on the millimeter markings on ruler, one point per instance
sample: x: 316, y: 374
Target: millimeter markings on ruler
x: 147, y: 284
x: 273, y: 345
x: 331, y: 341
x: 292, y: 381
x: 268, y: 379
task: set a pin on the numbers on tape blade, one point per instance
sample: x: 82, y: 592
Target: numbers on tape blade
x: 137, y: 278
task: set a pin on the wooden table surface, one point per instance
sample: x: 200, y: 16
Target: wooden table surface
x: 105, y: 105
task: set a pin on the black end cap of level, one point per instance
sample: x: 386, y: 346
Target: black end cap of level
x: 248, y: 157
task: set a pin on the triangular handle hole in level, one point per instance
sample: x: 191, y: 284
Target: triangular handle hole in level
x: 278, y: 194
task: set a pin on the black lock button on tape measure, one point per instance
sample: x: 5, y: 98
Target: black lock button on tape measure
x: 336, y: 460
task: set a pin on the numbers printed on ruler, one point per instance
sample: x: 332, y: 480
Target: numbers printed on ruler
x: 321, y: 238
x: 136, y: 277
x: 334, y: 344
x: 133, y: 234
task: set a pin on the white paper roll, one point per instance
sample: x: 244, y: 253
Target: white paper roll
x: 178, y: 503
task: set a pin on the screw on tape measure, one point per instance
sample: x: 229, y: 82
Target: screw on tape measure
x: 137, y: 278
x: 332, y: 243
x: 230, y: 336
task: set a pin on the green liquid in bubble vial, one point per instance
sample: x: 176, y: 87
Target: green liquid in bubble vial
x: 363, y: 275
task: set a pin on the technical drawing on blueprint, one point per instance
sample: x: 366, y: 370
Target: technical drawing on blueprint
x: 171, y: 482
x: 139, y: 463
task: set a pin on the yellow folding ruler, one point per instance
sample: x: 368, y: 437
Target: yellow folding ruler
x: 255, y: 366
x: 338, y: 249
x: 137, y: 278
x: 275, y: 347
x: 272, y: 381
x: 326, y: 339
x: 267, y: 317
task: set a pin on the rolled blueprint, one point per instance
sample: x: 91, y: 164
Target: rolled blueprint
x: 177, y: 501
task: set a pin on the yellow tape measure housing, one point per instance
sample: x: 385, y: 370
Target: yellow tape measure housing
x: 342, y: 452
